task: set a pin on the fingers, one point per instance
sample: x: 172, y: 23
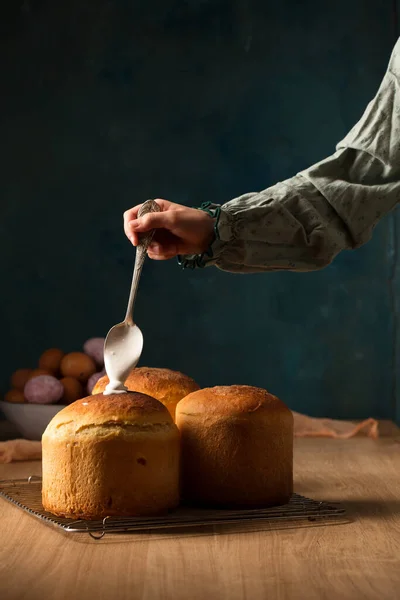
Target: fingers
x: 161, y: 220
x: 129, y: 216
x: 162, y: 251
x: 160, y: 256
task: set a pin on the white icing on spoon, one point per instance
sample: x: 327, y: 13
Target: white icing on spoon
x: 122, y: 352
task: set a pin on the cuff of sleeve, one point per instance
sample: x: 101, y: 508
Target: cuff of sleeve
x: 222, y: 235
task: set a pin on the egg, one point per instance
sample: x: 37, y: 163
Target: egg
x: 51, y: 360
x: 93, y: 380
x: 99, y: 385
x: 95, y: 349
x: 19, y: 378
x: 78, y: 365
x: 73, y: 390
x: 44, y: 389
x: 38, y: 373
x: 14, y: 396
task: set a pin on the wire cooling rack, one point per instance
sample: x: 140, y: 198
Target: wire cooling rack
x: 300, y: 511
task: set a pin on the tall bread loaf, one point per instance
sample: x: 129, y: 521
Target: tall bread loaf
x: 237, y: 447
x: 115, y: 455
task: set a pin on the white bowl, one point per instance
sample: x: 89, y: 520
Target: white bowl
x: 30, y: 419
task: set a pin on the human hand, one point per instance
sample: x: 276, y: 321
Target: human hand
x: 178, y: 229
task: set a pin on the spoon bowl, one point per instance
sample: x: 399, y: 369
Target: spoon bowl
x: 122, y: 351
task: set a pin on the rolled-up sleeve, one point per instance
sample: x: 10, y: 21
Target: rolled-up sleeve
x: 302, y: 223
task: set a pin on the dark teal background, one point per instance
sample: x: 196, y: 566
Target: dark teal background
x: 107, y: 103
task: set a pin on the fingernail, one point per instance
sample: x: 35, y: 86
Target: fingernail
x: 131, y: 239
x: 155, y: 248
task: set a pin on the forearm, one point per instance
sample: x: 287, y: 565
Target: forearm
x: 294, y: 226
x: 304, y: 222
x: 289, y: 226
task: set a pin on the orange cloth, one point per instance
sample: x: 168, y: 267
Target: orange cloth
x: 311, y: 427
x: 20, y: 450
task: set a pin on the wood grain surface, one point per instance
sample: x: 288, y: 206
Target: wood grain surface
x: 356, y: 560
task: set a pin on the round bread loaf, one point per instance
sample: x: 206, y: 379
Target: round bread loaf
x: 169, y: 387
x: 115, y: 455
x: 237, y: 448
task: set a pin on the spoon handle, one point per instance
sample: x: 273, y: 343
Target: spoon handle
x: 141, y: 253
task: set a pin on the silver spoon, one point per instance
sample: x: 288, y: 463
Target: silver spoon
x: 124, y: 342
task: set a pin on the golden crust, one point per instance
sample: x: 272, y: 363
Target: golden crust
x: 116, y: 455
x: 129, y: 408
x: 231, y: 401
x: 169, y: 387
x: 237, y: 447
x: 94, y: 477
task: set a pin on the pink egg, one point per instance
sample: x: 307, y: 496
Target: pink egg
x: 44, y: 389
x: 95, y: 349
x: 93, y: 380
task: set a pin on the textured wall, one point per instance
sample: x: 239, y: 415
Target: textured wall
x: 108, y: 103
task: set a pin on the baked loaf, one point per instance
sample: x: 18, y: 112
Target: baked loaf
x: 115, y: 455
x: 163, y: 384
x: 237, y: 448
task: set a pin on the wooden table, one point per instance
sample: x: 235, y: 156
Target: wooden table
x: 351, y: 561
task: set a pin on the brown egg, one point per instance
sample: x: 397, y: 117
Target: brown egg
x: 14, y: 396
x: 38, y: 372
x: 78, y: 365
x: 73, y: 390
x: 51, y: 360
x: 19, y: 378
